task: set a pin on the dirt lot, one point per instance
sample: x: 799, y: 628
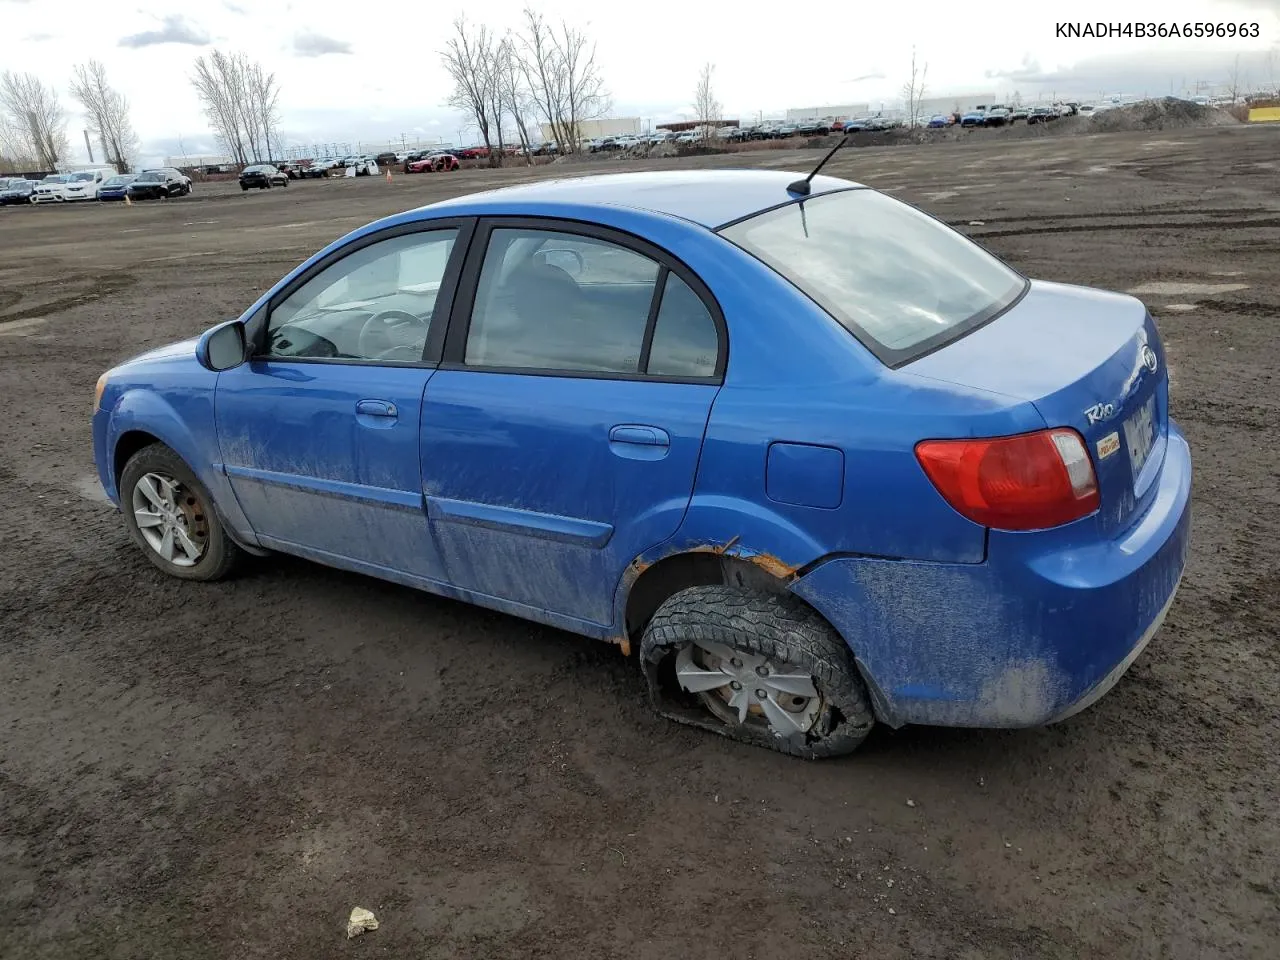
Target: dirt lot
x: 195, y: 771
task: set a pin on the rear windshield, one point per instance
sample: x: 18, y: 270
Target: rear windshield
x: 898, y: 280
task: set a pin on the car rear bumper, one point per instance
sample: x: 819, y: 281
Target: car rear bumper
x: 1040, y: 630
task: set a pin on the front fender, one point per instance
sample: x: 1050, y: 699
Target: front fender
x: 182, y: 421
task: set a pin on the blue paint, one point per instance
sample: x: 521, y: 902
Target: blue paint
x: 805, y: 475
x: 309, y: 468
x: 520, y: 523
x: 544, y: 495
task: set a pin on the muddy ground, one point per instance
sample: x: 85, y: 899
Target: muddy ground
x: 194, y: 771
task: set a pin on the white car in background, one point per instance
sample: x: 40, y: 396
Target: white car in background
x: 51, y: 189
x: 85, y: 184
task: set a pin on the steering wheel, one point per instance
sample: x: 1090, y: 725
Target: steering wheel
x: 376, y: 340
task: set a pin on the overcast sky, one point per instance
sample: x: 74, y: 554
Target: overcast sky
x: 357, y: 71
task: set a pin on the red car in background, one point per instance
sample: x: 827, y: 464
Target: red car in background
x: 433, y: 163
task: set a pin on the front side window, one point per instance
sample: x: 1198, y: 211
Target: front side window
x: 558, y: 301
x: 374, y: 304
x: 898, y: 280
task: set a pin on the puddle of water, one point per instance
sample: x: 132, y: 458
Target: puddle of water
x: 1176, y: 308
x: 1097, y: 169
x: 20, y: 328
x: 1179, y: 288
x: 942, y: 195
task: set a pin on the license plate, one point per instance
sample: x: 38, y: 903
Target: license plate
x: 1139, y: 432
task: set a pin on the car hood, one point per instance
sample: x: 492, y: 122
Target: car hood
x: 183, y: 348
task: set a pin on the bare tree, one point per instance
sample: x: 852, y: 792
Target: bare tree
x: 585, y: 95
x: 241, y: 102
x: 1233, y: 80
x: 264, y: 101
x: 705, y: 104
x: 914, y: 89
x: 562, y: 78
x: 513, y: 92
x: 36, y: 122
x: 468, y: 58
x: 107, y: 110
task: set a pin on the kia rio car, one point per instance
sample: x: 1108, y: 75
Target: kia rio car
x: 825, y: 460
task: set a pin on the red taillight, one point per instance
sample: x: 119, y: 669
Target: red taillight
x: 1028, y: 482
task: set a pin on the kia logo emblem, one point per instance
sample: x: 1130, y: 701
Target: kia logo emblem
x: 1149, y: 358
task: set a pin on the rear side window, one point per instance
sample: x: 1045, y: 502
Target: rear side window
x: 555, y: 301
x: 898, y: 280
x: 685, y: 340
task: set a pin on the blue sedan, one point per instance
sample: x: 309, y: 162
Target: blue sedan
x: 117, y: 188
x: 824, y: 460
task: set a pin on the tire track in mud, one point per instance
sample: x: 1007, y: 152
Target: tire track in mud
x: 1216, y: 225
x: 1110, y: 215
x: 98, y: 287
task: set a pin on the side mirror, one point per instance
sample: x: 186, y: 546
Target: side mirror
x: 222, y: 347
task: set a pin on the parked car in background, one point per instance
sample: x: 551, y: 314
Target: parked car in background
x: 52, y: 189
x: 437, y: 162
x: 1041, y: 115
x: 18, y: 191
x: 828, y: 466
x: 160, y: 183
x: 997, y: 117
x: 84, y: 184
x: 263, y: 176
x: 974, y: 118
x: 813, y: 127
x: 117, y: 187
x: 388, y: 159
x: 1019, y: 113
x: 939, y: 121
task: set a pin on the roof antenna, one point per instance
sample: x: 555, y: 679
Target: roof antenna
x: 802, y: 186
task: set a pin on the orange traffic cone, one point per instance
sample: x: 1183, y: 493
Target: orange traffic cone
x: 127, y: 201
x: 388, y: 176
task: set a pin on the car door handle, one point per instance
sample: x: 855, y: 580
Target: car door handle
x: 640, y: 436
x: 376, y: 408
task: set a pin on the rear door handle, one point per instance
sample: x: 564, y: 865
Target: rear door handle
x: 638, y: 435
x: 375, y: 408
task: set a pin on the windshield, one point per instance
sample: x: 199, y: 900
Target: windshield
x: 898, y: 280
x: 81, y: 177
x: 150, y: 177
x: 118, y: 181
x: 56, y: 178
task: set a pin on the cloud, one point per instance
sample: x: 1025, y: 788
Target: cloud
x: 38, y: 37
x: 1154, y: 74
x: 1271, y: 5
x: 311, y: 44
x: 174, y: 29
x: 235, y: 7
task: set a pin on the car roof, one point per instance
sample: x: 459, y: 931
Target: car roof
x: 708, y: 197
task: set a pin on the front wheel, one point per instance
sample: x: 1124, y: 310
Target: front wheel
x: 760, y: 668
x: 170, y: 515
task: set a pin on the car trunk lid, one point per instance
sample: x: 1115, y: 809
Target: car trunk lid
x: 1086, y: 359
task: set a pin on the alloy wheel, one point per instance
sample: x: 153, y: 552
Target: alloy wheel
x: 170, y: 518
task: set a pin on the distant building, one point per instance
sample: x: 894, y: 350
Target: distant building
x: 842, y: 111
x: 932, y: 106
x: 210, y: 160
x: 604, y: 127
x: 680, y: 126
